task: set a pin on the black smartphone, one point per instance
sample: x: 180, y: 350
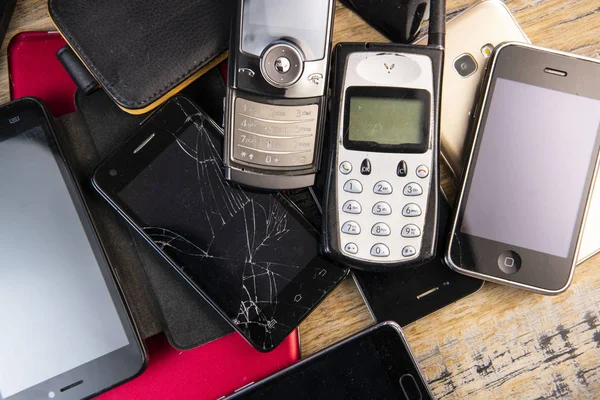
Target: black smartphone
x: 406, y: 296
x: 526, y: 189
x: 66, y: 331
x: 374, y: 364
x: 251, y: 254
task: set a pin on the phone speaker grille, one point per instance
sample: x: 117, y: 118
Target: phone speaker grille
x: 71, y: 386
x: 556, y: 72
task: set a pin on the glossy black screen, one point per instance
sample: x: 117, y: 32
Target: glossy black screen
x: 376, y: 365
x: 248, y: 252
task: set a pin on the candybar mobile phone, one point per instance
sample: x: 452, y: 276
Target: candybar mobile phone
x: 374, y: 364
x: 275, y: 106
x: 519, y: 216
x: 381, y: 201
x: 61, y: 304
x: 250, y: 254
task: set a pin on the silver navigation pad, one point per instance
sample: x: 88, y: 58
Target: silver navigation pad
x: 274, y: 136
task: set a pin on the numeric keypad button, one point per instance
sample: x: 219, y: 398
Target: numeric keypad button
x: 353, y: 186
x: 381, y: 229
x: 409, y: 251
x: 413, y: 189
x: 411, y: 231
x: 352, y: 207
x: 383, y: 187
x: 411, y: 210
x: 351, y: 228
x: 382, y: 208
x: 351, y: 248
x: 380, y: 250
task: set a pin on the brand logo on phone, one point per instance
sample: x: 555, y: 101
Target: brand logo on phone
x: 389, y: 67
x: 14, y: 120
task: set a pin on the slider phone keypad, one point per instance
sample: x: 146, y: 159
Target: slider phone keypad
x: 274, y: 136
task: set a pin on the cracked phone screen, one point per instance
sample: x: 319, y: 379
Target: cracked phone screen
x: 253, y: 256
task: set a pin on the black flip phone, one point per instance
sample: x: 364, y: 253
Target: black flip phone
x: 374, y: 364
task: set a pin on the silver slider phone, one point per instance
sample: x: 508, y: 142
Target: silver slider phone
x: 275, y: 106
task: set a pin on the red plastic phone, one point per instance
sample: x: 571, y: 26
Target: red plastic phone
x: 206, y: 372
x: 35, y: 71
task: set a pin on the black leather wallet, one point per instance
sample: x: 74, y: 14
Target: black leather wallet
x: 142, y: 52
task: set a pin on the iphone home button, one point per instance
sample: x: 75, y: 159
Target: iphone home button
x: 509, y: 262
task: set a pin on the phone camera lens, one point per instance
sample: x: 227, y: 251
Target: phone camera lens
x: 465, y: 65
x: 112, y: 172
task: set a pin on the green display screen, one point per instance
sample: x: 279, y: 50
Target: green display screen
x: 386, y: 121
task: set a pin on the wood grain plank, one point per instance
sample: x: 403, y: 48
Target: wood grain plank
x: 501, y: 342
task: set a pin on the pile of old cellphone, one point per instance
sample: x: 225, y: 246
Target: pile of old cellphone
x: 356, y: 133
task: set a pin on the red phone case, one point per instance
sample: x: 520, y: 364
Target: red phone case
x: 206, y: 372
x: 35, y: 71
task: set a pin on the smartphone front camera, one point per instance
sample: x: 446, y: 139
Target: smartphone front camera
x: 465, y: 65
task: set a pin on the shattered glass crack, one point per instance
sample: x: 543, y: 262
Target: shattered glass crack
x: 244, y: 250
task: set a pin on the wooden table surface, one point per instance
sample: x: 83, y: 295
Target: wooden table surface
x: 500, y: 342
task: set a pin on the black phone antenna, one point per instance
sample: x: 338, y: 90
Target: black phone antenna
x: 437, y: 23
